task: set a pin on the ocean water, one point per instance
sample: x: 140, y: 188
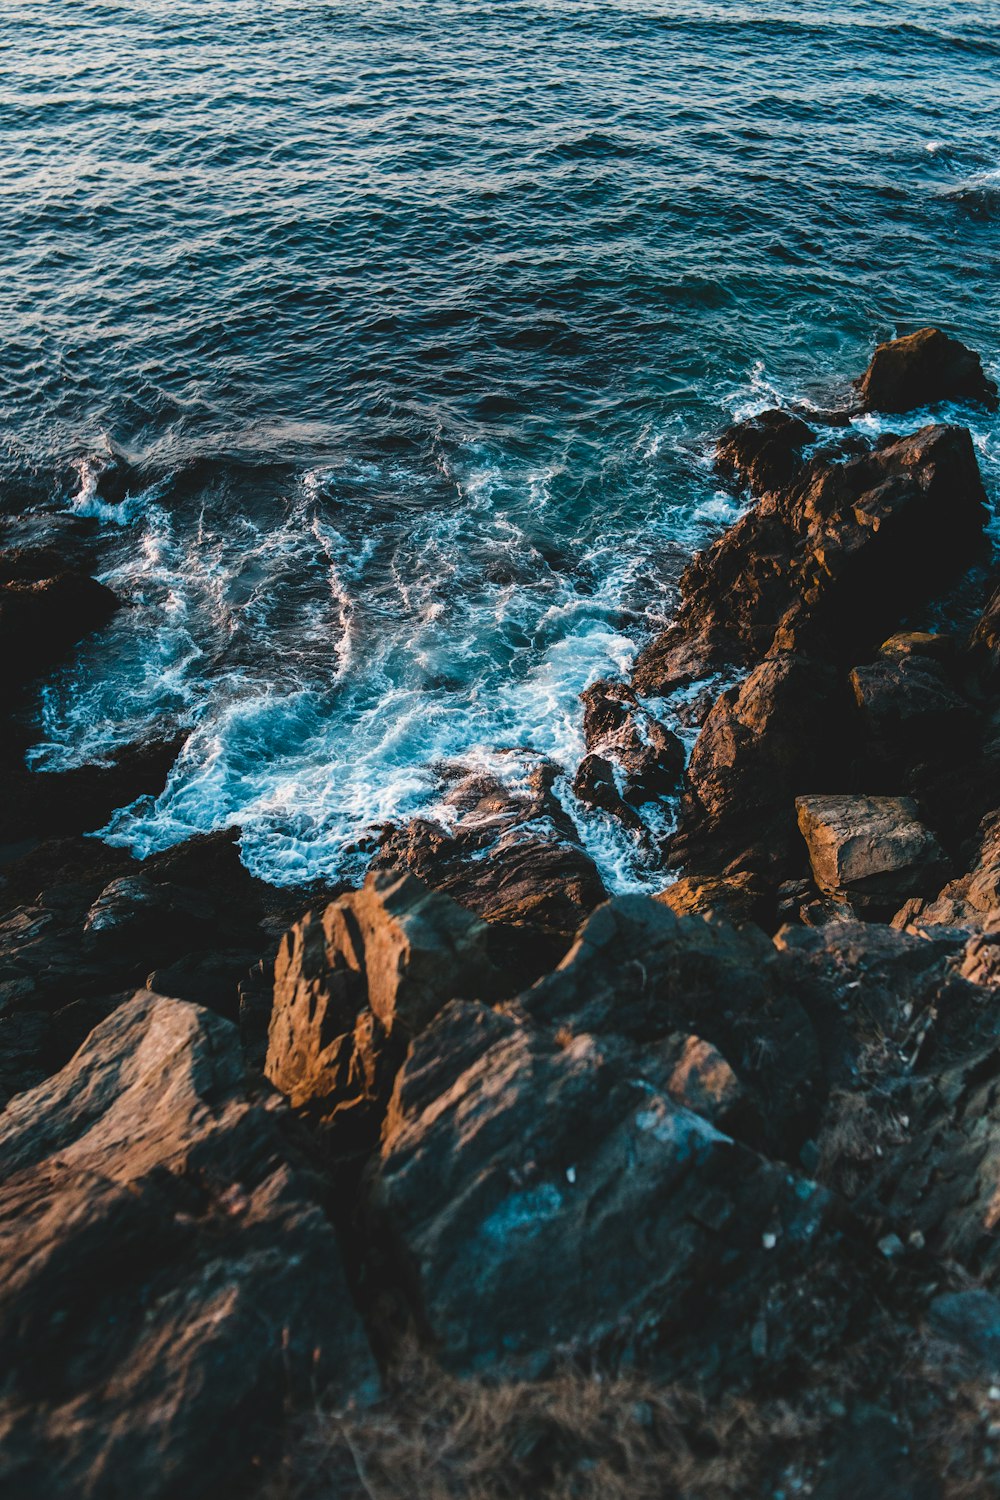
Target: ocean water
x: 414, y: 321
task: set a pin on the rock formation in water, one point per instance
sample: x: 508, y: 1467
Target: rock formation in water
x: 741, y: 1138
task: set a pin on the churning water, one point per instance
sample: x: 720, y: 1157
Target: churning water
x: 415, y: 319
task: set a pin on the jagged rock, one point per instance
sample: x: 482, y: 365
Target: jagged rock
x: 910, y: 644
x: 829, y: 565
x: 742, y: 897
x: 871, y: 851
x: 617, y: 728
x: 972, y: 900
x: 574, y: 1206
x: 639, y: 973
x: 985, y: 640
x: 765, y: 451
x: 941, y: 1182
x: 921, y: 369
x: 783, y: 729
x: 169, y: 1279
x: 596, y: 785
x: 512, y: 857
x: 44, y: 613
x: 355, y: 984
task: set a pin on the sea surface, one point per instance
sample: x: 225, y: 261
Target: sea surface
x: 410, y: 323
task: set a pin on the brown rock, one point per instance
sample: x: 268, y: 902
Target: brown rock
x: 617, y: 727
x: 829, y: 565
x: 512, y: 857
x: 923, y: 368
x: 354, y: 985
x: 168, y: 1277
x: 765, y: 451
x: 872, y: 851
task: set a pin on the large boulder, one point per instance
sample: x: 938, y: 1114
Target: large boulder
x: 548, y: 1201
x: 870, y: 851
x: 913, y: 717
x: 354, y: 984
x: 829, y: 565
x: 921, y: 369
x: 169, y: 1279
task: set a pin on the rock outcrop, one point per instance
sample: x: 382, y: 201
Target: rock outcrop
x: 829, y: 565
x: 45, y: 608
x: 922, y: 369
x: 511, y: 856
x: 169, y: 1279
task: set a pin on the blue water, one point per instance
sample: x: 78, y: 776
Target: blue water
x: 416, y: 321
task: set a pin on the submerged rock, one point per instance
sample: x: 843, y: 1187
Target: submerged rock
x: 921, y: 369
x: 169, y: 1279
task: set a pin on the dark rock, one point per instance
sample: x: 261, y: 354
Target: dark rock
x: 921, y: 369
x: 169, y: 1279
x: 765, y: 451
x: 873, y: 1460
x: 971, y: 900
x: 912, y: 718
x: 870, y: 851
x: 785, y: 728
x: 972, y: 1319
x: 43, y: 615
x: 596, y: 785
x: 576, y: 1207
x: 354, y: 985
x: 640, y: 974
x: 829, y: 565
x: 908, y: 645
x: 512, y: 857
x: 985, y: 641
x: 617, y: 728
x: 40, y: 804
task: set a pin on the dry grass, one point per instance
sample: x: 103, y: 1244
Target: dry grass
x: 581, y: 1437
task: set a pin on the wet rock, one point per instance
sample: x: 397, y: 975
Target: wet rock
x: 42, y: 804
x: 511, y: 855
x: 355, y: 984
x: 783, y: 729
x: 870, y: 851
x: 765, y: 451
x: 577, y: 1208
x: 921, y: 369
x: 829, y: 565
x: 639, y: 973
x: 617, y: 728
x: 595, y: 784
x: 44, y: 614
x: 169, y: 1278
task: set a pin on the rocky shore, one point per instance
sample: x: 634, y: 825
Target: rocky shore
x: 477, y: 1182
